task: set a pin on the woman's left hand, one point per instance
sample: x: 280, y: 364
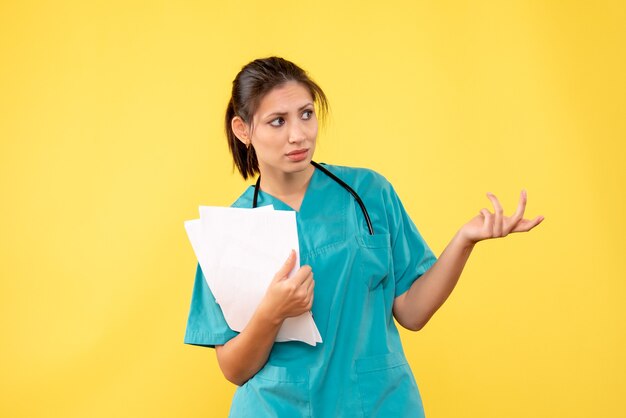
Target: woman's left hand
x: 495, y: 225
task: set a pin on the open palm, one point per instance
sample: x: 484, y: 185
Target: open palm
x: 496, y: 225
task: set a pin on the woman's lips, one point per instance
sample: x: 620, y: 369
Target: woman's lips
x: 298, y: 155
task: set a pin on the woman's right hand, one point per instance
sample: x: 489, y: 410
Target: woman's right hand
x: 289, y: 296
x: 245, y: 354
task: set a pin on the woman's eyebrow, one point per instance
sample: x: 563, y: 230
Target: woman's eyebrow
x: 284, y: 113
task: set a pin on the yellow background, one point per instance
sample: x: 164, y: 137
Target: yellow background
x: 111, y: 136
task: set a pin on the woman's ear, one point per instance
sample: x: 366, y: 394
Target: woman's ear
x: 240, y: 129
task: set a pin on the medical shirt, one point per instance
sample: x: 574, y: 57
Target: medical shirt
x: 360, y: 369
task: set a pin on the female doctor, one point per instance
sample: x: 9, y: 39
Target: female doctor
x: 364, y: 263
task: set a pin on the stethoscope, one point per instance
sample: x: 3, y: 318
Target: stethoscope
x: 335, y: 178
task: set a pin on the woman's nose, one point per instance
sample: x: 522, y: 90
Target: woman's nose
x: 296, y: 134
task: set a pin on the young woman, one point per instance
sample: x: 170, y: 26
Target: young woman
x: 358, y: 242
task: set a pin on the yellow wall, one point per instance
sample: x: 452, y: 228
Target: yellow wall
x: 111, y: 136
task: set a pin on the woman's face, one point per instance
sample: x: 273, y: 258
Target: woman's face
x: 285, y: 129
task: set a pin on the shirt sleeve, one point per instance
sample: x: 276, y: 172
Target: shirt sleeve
x: 206, y: 325
x: 410, y: 253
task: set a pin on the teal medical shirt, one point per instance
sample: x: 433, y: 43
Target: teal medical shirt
x: 360, y: 369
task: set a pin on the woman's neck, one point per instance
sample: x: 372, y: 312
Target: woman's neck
x: 288, y: 187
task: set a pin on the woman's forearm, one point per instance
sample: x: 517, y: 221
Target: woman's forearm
x: 415, y: 307
x: 244, y: 355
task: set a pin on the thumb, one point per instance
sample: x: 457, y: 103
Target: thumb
x: 287, y: 267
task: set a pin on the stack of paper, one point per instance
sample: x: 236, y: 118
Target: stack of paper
x: 240, y: 251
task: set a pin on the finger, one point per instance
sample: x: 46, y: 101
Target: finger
x: 286, y: 268
x: 526, y: 225
x: 518, y: 215
x: 310, y: 304
x: 487, y: 222
x: 306, y: 284
x: 301, y: 295
x: 301, y: 275
x: 499, y: 215
x: 309, y: 290
x: 311, y: 296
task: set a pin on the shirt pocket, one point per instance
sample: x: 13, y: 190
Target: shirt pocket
x: 387, y: 387
x: 374, y: 258
x: 274, y: 391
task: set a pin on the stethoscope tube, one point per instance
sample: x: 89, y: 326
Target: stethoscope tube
x: 336, y: 179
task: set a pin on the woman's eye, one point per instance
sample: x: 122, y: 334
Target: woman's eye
x: 277, y: 122
x: 307, y: 114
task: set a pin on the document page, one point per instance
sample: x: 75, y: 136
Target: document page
x: 240, y: 251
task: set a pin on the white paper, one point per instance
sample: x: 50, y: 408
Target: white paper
x: 240, y: 251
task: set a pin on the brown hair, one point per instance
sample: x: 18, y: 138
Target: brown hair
x: 253, y: 82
